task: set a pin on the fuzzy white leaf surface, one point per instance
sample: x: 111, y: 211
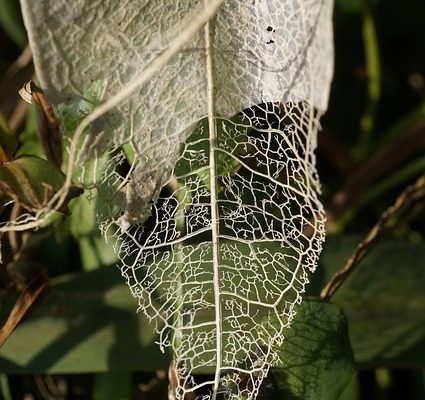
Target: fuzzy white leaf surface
x: 217, y: 208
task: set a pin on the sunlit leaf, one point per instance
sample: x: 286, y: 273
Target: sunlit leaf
x: 251, y: 185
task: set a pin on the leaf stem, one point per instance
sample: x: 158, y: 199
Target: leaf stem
x: 412, y: 195
x: 214, y: 210
x: 373, y: 70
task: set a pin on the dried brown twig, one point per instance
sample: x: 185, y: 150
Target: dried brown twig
x: 26, y: 299
x: 411, y: 196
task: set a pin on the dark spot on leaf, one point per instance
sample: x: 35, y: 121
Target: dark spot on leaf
x: 270, y: 42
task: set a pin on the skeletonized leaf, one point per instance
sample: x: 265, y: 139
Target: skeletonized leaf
x: 107, y: 336
x: 222, y: 194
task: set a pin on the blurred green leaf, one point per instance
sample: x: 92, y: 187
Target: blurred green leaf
x: 5, y: 387
x: 401, y: 126
x: 198, y: 143
x: 350, y: 6
x: 8, y: 141
x: 30, y: 180
x: 317, y: 357
x: 384, y: 300
x: 130, y: 152
x: 70, y: 115
x: 89, y: 324
x: 352, y: 390
x: 83, y: 219
x: 30, y: 142
x: 11, y: 21
x: 56, y: 250
x: 95, y: 252
x: 113, y: 386
x: 403, y: 175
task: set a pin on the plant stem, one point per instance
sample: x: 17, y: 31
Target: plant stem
x: 412, y: 195
x: 373, y: 72
x: 5, y: 388
x: 214, y: 210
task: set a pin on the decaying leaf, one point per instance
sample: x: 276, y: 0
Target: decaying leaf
x: 234, y: 225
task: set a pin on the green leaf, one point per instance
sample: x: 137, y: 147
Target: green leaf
x: 384, y: 301
x: 83, y: 219
x: 316, y: 354
x: 31, y: 181
x: 352, y: 390
x: 129, y: 151
x: 8, y: 141
x: 88, y: 323
x: 95, y: 252
x: 70, y: 115
x: 114, y: 386
x: 30, y: 142
x: 11, y: 21
x: 225, y: 164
